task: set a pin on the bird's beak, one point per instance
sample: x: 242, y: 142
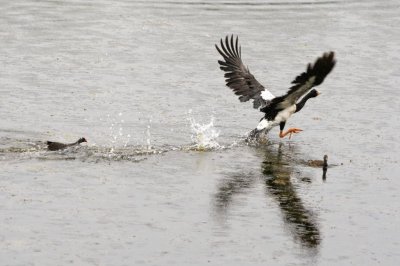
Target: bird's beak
x: 318, y: 93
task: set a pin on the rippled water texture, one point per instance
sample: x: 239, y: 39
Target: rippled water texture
x: 167, y: 177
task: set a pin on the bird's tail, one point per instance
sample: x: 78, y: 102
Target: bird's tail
x: 257, y: 135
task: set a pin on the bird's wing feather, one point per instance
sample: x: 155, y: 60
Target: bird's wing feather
x: 313, y: 76
x: 238, y: 77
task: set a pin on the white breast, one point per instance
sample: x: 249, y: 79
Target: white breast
x: 280, y: 117
x: 285, y: 114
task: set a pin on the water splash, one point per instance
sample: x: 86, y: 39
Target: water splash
x: 148, y: 136
x: 204, y: 136
x: 117, y: 132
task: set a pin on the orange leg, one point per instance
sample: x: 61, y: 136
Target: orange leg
x: 290, y: 132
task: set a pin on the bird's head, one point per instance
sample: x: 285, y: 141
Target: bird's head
x: 314, y: 93
x: 82, y: 140
x: 325, y: 157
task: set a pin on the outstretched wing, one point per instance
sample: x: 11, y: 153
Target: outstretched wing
x: 238, y: 77
x: 313, y: 76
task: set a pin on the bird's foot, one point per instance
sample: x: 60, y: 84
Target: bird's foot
x: 293, y: 131
x: 290, y: 131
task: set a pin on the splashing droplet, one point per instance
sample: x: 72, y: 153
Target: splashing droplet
x: 204, y: 136
x: 148, y: 140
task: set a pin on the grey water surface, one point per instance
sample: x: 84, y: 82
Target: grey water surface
x: 167, y: 177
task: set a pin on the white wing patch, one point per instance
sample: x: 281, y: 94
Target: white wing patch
x: 266, y: 95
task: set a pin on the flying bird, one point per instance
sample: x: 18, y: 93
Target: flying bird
x: 277, y: 110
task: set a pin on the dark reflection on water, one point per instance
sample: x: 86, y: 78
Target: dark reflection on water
x: 235, y: 184
x: 324, y: 170
x: 276, y: 171
x: 300, y: 221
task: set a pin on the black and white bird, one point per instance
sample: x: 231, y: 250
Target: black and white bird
x: 277, y: 109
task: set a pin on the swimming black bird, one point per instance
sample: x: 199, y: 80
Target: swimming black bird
x: 277, y: 109
x: 55, y: 146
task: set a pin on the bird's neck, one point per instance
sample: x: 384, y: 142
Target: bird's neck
x: 301, y: 104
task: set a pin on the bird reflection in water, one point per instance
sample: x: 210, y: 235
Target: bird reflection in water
x: 300, y: 221
x: 236, y: 184
x: 276, y: 175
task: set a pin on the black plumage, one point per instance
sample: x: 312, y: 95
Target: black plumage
x: 237, y: 75
x: 276, y: 109
x: 55, y: 146
x: 314, y: 76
